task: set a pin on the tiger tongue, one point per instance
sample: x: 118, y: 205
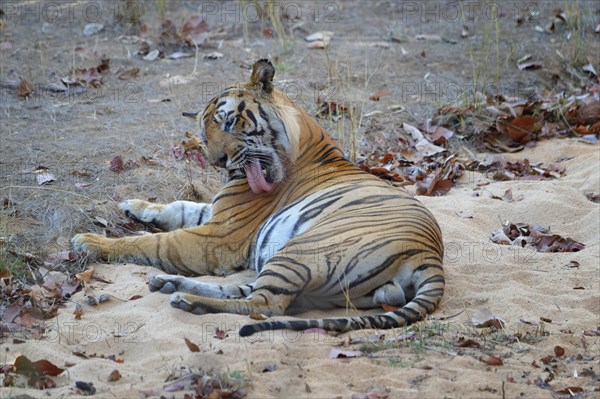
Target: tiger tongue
x: 256, y: 179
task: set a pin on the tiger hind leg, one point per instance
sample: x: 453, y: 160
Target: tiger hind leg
x: 272, y: 294
x: 168, y: 284
x: 168, y: 217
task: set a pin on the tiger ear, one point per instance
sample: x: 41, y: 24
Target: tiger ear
x: 262, y: 74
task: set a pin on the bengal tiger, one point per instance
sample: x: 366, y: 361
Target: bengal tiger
x: 319, y: 231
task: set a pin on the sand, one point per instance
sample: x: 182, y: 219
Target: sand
x: 515, y: 284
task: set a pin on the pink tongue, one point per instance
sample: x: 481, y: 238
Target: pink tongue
x: 256, y: 179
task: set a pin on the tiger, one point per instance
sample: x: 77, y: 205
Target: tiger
x: 319, y: 231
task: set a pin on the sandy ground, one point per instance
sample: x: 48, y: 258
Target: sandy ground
x: 515, y: 284
x: 374, y: 48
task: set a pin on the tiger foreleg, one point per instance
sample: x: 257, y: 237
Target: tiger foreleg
x: 168, y: 217
x: 168, y: 251
x: 168, y: 284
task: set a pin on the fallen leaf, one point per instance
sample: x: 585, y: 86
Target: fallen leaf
x: 85, y: 276
x: 178, y: 55
x: 45, y: 178
x: 374, y: 394
x: 92, y: 29
x: 90, y: 76
x: 492, y: 360
x: 194, y: 31
x: 103, y: 297
x: 37, y: 372
x: 25, y: 88
x: 428, y: 37
x: 215, y: 55
x: 468, y: 343
x: 91, y: 300
x: 530, y: 65
x: 87, y: 388
x: 337, y: 353
x: 570, y: 391
x: 547, y: 359
x: 219, y: 334
x: 152, y: 55
x: 127, y: 74
x: 78, y: 311
x: 158, y: 100
x: 519, y: 129
x: 465, y: 31
x: 269, y: 368
x: 117, y: 164
x: 135, y: 297
x: 589, y: 68
x: 191, y: 346
x: 114, y: 375
x: 319, y: 40
x: 559, y: 351
x: 101, y: 221
x: 484, y: 318
x: 422, y: 145
x: 378, y: 94
x: 592, y: 333
x: 323, y: 35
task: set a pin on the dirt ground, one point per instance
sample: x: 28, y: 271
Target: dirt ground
x: 422, y: 56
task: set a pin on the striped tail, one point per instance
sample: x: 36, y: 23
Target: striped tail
x: 430, y: 290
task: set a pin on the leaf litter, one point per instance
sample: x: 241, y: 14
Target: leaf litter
x: 535, y: 237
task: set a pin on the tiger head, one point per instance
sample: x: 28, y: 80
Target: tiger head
x: 251, y: 129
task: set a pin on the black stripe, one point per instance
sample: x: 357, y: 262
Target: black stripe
x: 432, y: 279
x: 426, y: 266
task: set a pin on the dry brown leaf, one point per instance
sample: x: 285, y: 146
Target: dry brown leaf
x: 337, y: 353
x: 114, y: 375
x: 378, y: 94
x: 85, y: 276
x: 191, y: 346
x: 468, y: 343
x: 127, y: 74
x: 25, y: 88
x: 492, y: 360
x: 570, y: 391
x: 194, y: 31
x: 78, y: 311
x: 484, y: 318
x: 559, y: 351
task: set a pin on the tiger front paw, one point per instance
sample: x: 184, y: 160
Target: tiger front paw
x: 93, y: 245
x: 139, y: 210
